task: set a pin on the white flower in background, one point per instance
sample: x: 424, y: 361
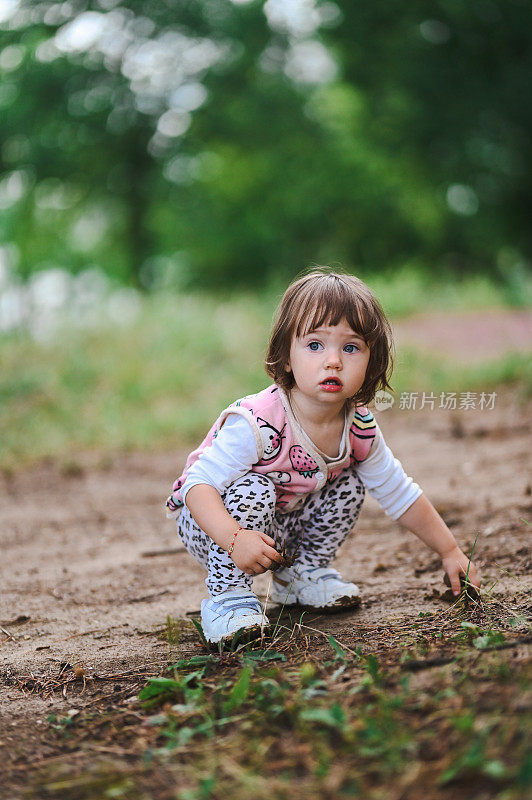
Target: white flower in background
x: 188, y: 97
x: 54, y: 301
x: 8, y: 9
x: 89, y: 230
x: 83, y: 32
x: 462, y: 199
x: 310, y: 62
x: 163, y: 71
x: 306, y: 60
x: 11, y: 57
x: 435, y: 31
x: 13, y: 308
x: 13, y: 187
x: 124, y: 306
x: 295, y: 17
x: 50, y: 289
x: 174, y: 123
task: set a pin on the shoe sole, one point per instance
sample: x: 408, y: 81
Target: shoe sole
x: 241, y: 636
x: 340, y: 604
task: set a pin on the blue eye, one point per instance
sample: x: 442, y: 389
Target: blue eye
x: 314, y: 346
x: 350, y: 348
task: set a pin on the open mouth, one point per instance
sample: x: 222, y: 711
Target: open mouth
x: 331, y: 382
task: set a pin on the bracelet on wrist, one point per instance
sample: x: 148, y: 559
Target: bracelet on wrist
x: 232, y: 545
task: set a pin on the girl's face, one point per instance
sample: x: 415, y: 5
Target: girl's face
x: 329, y: 364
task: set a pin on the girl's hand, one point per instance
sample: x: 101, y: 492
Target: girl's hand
x: 253, y: 552
x: 455, y: 564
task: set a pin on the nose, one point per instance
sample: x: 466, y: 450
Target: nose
x: 333, y: 359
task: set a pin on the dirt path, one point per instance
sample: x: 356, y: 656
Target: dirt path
x: 80, y: 586
x: 469, y: 336
x: 77, y: 587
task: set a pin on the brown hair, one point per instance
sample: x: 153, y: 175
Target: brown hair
x: 324, y: 297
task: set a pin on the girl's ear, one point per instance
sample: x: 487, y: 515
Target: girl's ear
x: 287, y: 367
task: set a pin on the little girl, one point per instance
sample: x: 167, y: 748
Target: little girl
x: 289, y: 466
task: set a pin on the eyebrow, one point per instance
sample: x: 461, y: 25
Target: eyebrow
x: 351, y: 335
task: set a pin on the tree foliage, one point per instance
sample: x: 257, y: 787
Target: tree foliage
x: 215, y: 143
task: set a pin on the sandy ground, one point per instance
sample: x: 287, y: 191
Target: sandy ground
x: 469, y: 336
x: 81, y: 586
x: 78, y: 588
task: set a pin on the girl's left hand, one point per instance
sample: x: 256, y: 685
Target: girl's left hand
x: 455, y: 564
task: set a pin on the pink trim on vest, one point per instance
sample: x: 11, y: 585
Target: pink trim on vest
x: 286, y: 455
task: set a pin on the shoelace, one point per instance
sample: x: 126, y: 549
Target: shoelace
x: 223, y: 607
x: 322, y: 575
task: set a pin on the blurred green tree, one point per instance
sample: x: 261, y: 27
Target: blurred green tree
x: 218, y: 143
x: 445, y: 90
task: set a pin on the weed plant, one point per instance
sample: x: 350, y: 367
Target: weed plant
x: 304, y: 714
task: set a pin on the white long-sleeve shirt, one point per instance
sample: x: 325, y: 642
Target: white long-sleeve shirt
x: 234, y: 451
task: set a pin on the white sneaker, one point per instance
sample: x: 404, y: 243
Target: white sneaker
x: 315, y: 587
x: 230, y: 612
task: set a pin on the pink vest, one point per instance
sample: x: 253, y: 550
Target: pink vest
x: 286, y: 455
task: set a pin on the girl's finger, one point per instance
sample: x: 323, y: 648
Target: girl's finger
x: 272, y: 554
x: 267, y: 539
x: 455, y: 582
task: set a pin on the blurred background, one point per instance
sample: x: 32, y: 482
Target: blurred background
x: 167, y: 167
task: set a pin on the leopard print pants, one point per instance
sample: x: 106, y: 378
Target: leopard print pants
x: 317, y: 529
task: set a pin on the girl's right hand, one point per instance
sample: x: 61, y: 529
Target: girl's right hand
x: 254, y: 552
